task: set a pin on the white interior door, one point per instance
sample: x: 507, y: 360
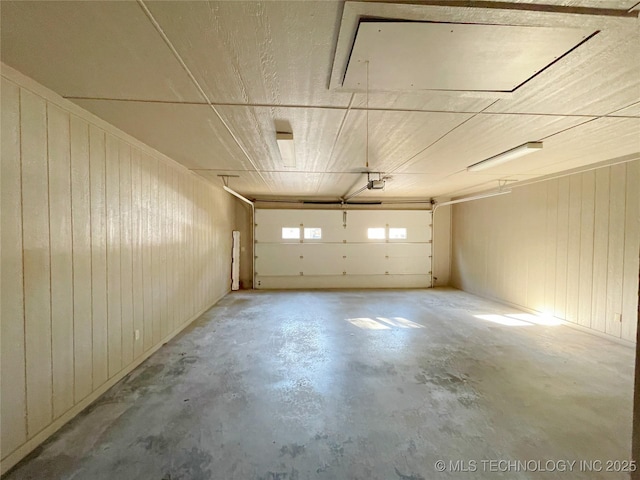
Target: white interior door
x: 337, y: 249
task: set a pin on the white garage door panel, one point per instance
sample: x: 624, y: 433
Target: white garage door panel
x: 343, y: 257
x: 408, y: 250
x: 358, y: 222
x: 365, y: 259
x: 283, y: 259
x: 408, y: 265
x: 322, y: 259
x: 329, y: 220
x: 344, y: 281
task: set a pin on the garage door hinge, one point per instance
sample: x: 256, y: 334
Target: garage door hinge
x: 256, y: 256
x: 386, y: 273
x: 344, y: 241
x: 301, y: 257
x: 344, y: 273
x: 430, y: 241
x: 301, y: 273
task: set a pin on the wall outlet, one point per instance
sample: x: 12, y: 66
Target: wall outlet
x: 618, y: 317
x: 137, y: 334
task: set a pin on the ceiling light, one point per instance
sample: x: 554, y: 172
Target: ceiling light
x: 287, y: 149
x: 529, y: 147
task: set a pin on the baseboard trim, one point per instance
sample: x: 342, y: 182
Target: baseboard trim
x: 12, y: 459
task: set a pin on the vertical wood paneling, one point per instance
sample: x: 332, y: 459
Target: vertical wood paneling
x: 37, y: 263
x: 81, y: 220
x: 587, y: 224
x: 114, y: 305
x: 162, y: 249
x: 154, y: 238
x: 520, y: 280
x: 631, y: 253
x: 600, y: 250
x: 573, y: 253
x: 617, y: 199
x: 191, y: 249
x: 199, y: 257
x: 562, y: 248
x: 98, y: 240
x: 13, y: 427
x: 137, y: 275
x: 211, y: 260
x: 61, y: 259
x: 126, y: 261
x: 580, y: 236
x: 147, y: 244
x: 173, y: 264
x: 551, y: 246
x: 536, y: 278
x: 183, y: 251
x: 98, y: 255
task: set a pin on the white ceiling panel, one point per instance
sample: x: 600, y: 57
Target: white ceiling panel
x: 483, y: 137
x: 463, y: 183
x: 314, y: 131
x: 601, y: 76
x: 402, y: 56
x: 190, y: 134
x: 92, y: 49
x: 423, y: 101
x: 267, y: 67
x: 630, y: 111
x: 394, y: 138
x: 256, y: 52
x: 602, y: 139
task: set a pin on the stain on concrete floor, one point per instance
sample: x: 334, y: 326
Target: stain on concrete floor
x: 280, y: 385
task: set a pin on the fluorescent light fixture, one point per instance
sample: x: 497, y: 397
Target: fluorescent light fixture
x: 529, y: 147
x: 287, y: 149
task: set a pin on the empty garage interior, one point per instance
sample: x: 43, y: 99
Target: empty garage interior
x: 320, y: 239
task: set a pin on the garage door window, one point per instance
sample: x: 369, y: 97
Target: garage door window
x: 397, y: 234
x: 312, y: 233
x: 290, y: 233
x: 376, y: 234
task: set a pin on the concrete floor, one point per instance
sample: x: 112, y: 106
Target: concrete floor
x: 280, y: 385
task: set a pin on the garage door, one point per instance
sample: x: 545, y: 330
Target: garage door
x: 343, y: 249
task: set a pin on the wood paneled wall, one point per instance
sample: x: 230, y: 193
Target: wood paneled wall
x: 108, y: 250
x: 568, y: 247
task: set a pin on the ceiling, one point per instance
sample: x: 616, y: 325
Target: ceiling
x: 210, y: 83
